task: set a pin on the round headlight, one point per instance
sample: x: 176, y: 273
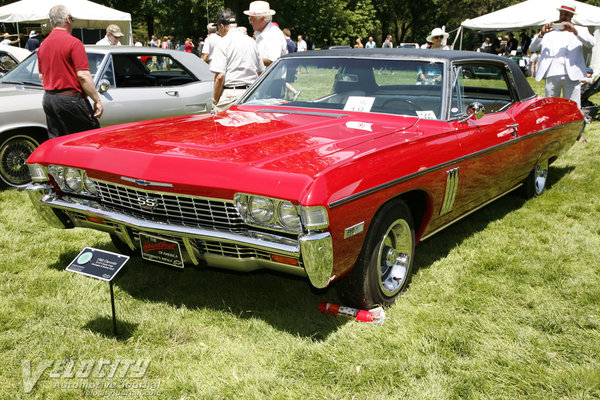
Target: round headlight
x: 261, y: 209
x: 288, y: 216
x: 73, y: 179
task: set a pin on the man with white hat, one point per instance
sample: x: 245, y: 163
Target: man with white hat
x: 235, y: 62
x: 561, y: 60
x: 113, y: 34
x: 269, y: 38
x: 33, y: 42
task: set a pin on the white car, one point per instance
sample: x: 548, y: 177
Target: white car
x: 10, y: 56
x: 135, y: 84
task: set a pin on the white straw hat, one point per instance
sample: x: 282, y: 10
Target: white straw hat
x: 259, y: 9
x: 437, y: 32
x: 568, y: 8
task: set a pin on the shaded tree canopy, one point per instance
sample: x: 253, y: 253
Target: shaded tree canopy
x: 323, y: 22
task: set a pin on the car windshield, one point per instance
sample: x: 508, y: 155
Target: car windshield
x: 27, y: 71
x: 400, y: 87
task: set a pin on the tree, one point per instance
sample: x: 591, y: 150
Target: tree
x: 324, y: 22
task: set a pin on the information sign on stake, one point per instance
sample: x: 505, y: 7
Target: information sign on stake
x: 100, y: 264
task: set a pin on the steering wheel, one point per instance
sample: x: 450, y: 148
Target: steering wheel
x: 411, y: 106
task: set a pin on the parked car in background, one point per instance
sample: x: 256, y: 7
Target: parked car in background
x: 177, y: 84
x: 333, y: 166
x: 10, y: 56
x: 481, y: 72
x: 409, y: 46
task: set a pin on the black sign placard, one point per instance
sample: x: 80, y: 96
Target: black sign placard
x: 99, y: 264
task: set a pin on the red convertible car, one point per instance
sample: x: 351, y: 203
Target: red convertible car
x: 332, y: 166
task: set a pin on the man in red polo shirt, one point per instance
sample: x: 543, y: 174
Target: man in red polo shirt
x: 65, y: 74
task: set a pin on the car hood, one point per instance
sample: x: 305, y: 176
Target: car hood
x: 228, y: 150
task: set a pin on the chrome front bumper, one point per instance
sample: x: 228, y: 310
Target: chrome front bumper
x: 313, y: 250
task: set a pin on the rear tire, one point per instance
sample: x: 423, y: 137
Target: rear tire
x: 384, y: 266
x: 14, y: 151
x: 535, y: 184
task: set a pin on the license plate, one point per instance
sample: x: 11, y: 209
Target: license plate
x: 161, y: 250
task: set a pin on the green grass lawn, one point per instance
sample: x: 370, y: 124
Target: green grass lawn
x: 503, y: 305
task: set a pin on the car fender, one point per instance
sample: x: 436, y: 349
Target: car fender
x: 11, y: 128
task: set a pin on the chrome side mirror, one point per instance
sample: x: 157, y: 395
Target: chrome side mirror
x: 476, y: 109
x: 103, y: 86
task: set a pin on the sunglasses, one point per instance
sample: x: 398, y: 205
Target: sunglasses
x: 438, y: 37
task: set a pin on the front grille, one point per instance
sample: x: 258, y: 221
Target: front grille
x: 170, y: 208
x: 229, y: 250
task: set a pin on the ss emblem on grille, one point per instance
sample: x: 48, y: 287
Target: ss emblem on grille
x: 147, y: 203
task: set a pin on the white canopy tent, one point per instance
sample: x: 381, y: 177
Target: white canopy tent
x: 534, y: 14
x: 87, y: 15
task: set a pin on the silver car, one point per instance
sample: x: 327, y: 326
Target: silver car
x: 135, y: 84
x: 10, y: 56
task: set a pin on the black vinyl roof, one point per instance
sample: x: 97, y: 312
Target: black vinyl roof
x: 524, y: 90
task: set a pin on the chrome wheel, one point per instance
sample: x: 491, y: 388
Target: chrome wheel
x: 383, y: 268
x: 536, y: 181
x: 540, y: 177
x: 394, y: 257
x: 14, y: 152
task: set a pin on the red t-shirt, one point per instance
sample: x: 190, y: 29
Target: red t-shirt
x: 60, y: 56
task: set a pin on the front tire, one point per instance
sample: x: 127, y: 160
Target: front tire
x: 383, y: 268
x: 535, y: 184
x: 14, y: 151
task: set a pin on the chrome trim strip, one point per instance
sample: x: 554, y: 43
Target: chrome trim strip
x: 206, y: 234
x: 126, y: 236
x: 414, y: 175
x: 452, y: 180
x: 190, y: 250
x: 143, y: 182
x: 354, y: 230
x: 430, y: 234
x: 318, y: 114
x: 145, y: 190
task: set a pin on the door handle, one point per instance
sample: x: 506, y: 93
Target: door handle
x: 172, y: 92
x: 514, y: 128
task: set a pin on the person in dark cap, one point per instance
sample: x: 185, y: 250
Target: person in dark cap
x: 236, y: 62
x: 561, y: 61
x: 112, y: 37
